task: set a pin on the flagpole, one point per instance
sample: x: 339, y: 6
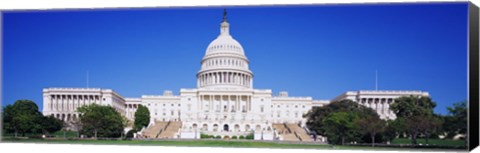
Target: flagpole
x: 87, y: 79
x: 376, y: 79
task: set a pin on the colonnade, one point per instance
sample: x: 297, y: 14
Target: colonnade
x: 380, y: 105
x: 225, y: 103
x: 61, y: 103
x: 231, y: 78
x: 130, y: 110
x: 66, y: 116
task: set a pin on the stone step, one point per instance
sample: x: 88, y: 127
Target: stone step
x: 154, y: 130
x: 171, y: 130
x: 300, y: 132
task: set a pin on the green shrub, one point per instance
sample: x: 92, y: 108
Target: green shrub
x: 249, y: 136
x: 131, y: 133
x: 234, y: 137
x: 218, y: 137
x: 241, y: 137
x: 204, y: 136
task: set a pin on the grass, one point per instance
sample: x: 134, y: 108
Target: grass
x: 68, y: 134
x: 209, y: 143
x: 438, y: 142
x: 58, y: 134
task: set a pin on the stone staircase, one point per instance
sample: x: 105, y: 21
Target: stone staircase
x: 300, y: 132
x: 285, y: 132
x: 170, y: 130
x: 154, y: 130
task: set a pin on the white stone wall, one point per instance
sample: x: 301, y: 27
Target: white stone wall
x: 210, y: 110
x: 163, y: 108
x: 378, y: 100
x: 286, y: 109
x: 131, y: 106
x: 63, y: 102
x: 225, y: 111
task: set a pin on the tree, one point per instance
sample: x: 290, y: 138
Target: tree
x: 77, y: 125
x: 316, y: 119
x: 22, y: 117
x: 51, y: 124
x: 456, y: 120
x: 371, y: 125
x: 408, y: 106
x: 339, y: 126
x: 395, y: 128
x: 103, y: 121
x: 414, y: 110
x: 142, y: 117
x: 458, y: 113
x: 7, y: 115
x: 430, y: 125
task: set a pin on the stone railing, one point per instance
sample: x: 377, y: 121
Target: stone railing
x: 70, y: 89
x: 392, y: 91
x: 292, y: 98
x: 159, y: 96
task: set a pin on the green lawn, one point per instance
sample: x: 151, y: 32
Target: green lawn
x: 58, y: 134
x: 67, y: 134
x: 438, y: 142
x: 210, y: 143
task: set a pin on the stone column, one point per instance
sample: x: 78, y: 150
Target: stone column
x: 236, y: 103
x: 62, y: 99
x: 214, y: 78
x: 84, y: 98
x: 228, y: 103
x: 220, y: 77
x: 251, y: 81
x: 201, y: 103
x: 212, y: 99
x: 388, y: 108
x: 241, y: 79
x: 384, y: 106
x: 249, y: 100
x: 55, y: 104
x: 371, y: 103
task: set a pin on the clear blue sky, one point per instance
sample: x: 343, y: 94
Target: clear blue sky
x: 319, y: 51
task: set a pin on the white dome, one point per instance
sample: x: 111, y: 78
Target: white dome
x: 224, y: 64
x: 224, y: 44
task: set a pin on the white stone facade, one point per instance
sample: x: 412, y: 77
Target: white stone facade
x: 224, y: 102
x: 63, y: 102
x: 378, y: 100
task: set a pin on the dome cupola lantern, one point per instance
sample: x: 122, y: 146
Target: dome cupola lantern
x: 224, y: 26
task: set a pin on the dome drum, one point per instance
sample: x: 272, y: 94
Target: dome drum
x: 224, y: 78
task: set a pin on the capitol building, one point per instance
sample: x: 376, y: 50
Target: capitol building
x: 225, y: 103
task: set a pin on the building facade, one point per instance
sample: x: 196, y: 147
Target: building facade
x: 223, y: 103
